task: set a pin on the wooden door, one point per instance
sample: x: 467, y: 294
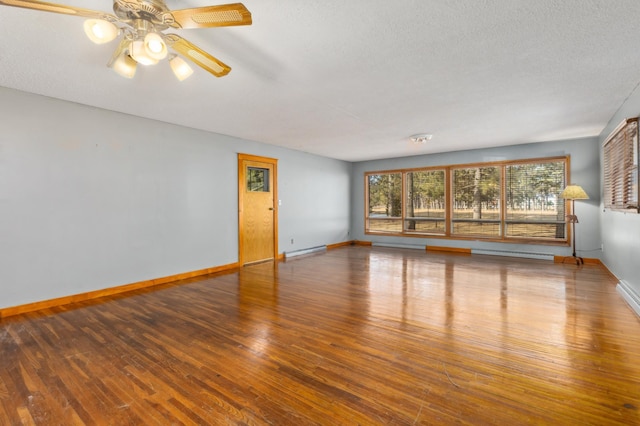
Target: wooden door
x: 258, y: 214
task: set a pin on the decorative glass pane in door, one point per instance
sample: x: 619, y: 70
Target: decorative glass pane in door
x: 257, y: 179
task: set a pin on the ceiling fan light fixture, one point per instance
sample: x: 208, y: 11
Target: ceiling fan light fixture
x: 155, y: 47
x: 142, y: 25
x: 139, y: 53
x: 100, y: 31
x: 125, y: 66
x: 180, y: 68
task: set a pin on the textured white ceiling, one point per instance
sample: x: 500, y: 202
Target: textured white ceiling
x: 354, y: 79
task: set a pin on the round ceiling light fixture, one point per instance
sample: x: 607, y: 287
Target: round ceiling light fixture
x: 421, y: 138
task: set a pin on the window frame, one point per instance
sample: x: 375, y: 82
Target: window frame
x: 448, y: 191
x: 487, y: 221
x: 406, y: 218
x: 388, y: 218
x: 620, y: 168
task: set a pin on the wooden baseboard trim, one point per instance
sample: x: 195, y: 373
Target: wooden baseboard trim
x: 337, y: 245
x: 587, y: 260
x: 111, y: 291
x: 362, y: 243
x: 448, y: 249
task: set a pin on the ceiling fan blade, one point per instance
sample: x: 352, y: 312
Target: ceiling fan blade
x: 197, y: 55
x: 211, y: 16
x: 59, y: 8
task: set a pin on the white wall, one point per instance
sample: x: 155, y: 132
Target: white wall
x: 91, y: 199
x: 620, y: 230
x: 585, y: 168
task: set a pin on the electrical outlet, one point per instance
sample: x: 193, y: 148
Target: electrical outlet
x: 292, y: 241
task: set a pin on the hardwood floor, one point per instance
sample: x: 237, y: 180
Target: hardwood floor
x: 355, y: 336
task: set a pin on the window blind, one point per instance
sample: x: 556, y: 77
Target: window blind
x: 621, y: 167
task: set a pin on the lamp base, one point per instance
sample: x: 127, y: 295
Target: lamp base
x: 577, y: 259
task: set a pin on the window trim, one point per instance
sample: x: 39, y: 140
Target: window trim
x: 449, y: 203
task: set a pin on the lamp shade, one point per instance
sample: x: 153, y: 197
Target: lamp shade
x: 574, y: 192
x: 180, y: 68
x: 125, y: 66
x: 100, y: 31
x: 139, y: 53
x: 155, y: 46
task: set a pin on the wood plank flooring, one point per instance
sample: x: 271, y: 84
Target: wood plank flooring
x: 355, y: 336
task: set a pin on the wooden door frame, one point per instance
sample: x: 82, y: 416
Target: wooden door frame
x: 241, y: 187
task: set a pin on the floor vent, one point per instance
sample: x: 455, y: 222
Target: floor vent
x: 524, y: 254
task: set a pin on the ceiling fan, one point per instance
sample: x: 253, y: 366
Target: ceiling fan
x: 141, y: 25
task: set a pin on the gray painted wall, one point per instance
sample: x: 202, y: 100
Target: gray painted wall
x: 91, y: 199
x: 84, y: 207
x: 620, y: 230
x: 585, y: 168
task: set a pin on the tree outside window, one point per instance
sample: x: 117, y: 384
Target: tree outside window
x: 517, y: 200
x: 385, y: 202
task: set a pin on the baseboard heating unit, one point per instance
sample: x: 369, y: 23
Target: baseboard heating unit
x: 398, y: 245
x: 288, y: 254
x: 523, y: 254
x: 629, y: 295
